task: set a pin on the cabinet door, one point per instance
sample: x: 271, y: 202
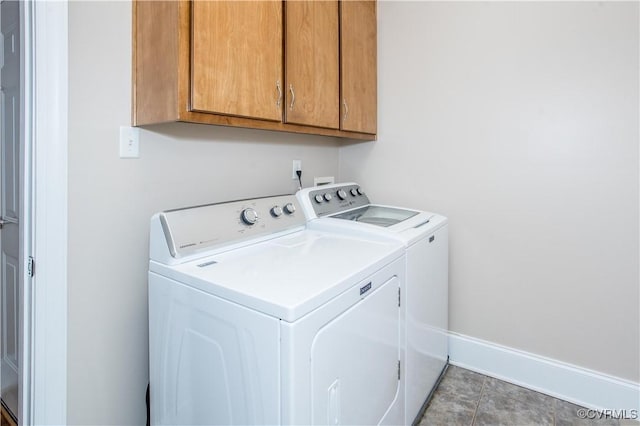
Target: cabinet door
x: 358, y: 74
x: 312, y: 63
x: 236, y: 59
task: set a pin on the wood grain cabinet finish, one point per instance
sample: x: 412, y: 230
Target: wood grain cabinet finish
x: 358, y: 71
x: 312, y: 63
x: 224, y: 62
x: 244, y: 78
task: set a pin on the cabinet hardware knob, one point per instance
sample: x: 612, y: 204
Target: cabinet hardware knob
x: 346, y: 109
x: 293, y: 96
x: 279, y: 93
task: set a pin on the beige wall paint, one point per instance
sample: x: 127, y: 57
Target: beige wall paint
x: 519, y: 121
x: 111, y: 201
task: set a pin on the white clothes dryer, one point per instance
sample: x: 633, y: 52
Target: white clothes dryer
x: 254, y: 319
x: 345, y: 208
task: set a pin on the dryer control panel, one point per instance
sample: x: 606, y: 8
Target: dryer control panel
x: 330, y: 199
x: 194, y: 229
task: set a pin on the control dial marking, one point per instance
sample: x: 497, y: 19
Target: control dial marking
x: 249, y: 216
x: 289, y: 208
x: 276, y: 211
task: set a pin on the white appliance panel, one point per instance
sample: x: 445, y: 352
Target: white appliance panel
x: 304, y: 270
x: 427, y: 319
x: 212, y: 361
x: 408, y: 231
x: 196, y: 230
x: 425, y: 290
x: 298, y: 338
x: 354, y: 361
x: 234, y: 314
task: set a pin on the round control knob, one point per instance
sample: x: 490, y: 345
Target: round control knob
x: 354, y: 192
x: 341, y: 194
x: 327, y: 196
x: 276, y: 211
x: 360, y: 191
x: 289, y: 208
x: 319, y: 198
x: 249, y: 216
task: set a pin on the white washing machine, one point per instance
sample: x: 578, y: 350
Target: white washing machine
x: 346, y: 208
x: 255, y: 319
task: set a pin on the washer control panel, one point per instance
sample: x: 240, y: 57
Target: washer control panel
x: 337, y: 198
x: 194, y: 229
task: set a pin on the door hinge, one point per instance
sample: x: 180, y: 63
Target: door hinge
x: 398, y: 296
x: 398, y: 369
x: 31, y: 266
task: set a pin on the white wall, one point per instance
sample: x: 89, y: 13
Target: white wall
x: 519, y: 121
x: 111, y: 201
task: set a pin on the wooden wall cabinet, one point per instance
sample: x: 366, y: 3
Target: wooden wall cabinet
x: 312, y: 58
x: 243, y: 80
x: 358, y: 67
x: 296, y: 66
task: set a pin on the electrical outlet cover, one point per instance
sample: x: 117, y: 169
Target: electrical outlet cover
x: 297, y: 165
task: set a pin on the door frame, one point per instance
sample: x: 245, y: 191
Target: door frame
x: 44, y: 318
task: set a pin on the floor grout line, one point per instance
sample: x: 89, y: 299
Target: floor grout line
x: 475, y: 412
x: 547, y: 408
x: 502, y: 401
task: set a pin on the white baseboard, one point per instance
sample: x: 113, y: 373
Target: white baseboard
x: 578, y: 385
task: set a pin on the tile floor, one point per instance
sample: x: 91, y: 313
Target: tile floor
x: 467, y: 398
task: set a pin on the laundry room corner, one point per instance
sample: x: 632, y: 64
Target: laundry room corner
x: 519, y: 122
x: 516, y: 123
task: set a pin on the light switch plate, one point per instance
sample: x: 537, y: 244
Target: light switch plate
x: 129, y: 142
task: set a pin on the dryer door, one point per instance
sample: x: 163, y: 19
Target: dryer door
x: 354, y: 361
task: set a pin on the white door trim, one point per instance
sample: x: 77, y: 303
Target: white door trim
x: 44, y: 380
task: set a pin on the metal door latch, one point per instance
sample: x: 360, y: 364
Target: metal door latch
x: 6, y: 220
x: 31, y: 266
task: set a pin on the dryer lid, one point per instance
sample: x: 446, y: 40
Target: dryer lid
x: 289, y: 276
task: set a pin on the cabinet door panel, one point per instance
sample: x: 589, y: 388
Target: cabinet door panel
x: 237, y: 58
x: 358, y: 71
x: 312, y: 63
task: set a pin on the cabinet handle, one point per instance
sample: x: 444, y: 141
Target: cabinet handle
x: 279, y: 93
x: 293, y: 96
x: 346, y: 109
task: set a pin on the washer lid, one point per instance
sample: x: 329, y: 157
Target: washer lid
x: 377, y: 215
x: 289, y: 276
